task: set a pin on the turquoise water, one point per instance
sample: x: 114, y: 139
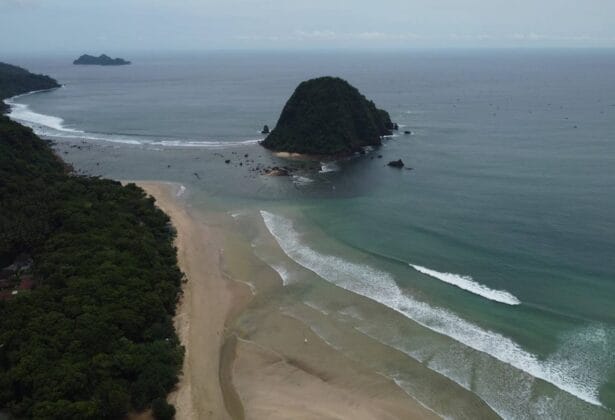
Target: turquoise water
x: 490, y: 262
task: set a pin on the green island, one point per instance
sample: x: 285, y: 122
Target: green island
x: 328, y: 116
x: 101, y: 60
x: 89, y: 285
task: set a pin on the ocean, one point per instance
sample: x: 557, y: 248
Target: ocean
x: 486, y: 263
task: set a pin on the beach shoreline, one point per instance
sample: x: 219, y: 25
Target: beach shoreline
x: 282, y: 369
x: 202, y: 312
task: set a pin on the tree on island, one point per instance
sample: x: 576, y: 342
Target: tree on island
x: 328, y: 116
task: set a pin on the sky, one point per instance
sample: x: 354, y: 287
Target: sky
x: 190, y: 25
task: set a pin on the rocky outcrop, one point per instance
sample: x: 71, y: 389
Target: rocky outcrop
x: 328, y: 117
x: 396, y: 164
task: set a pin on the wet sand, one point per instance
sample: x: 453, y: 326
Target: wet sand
x: 282, y: 370
x: 202, y: 311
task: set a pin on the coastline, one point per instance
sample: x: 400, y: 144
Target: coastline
x: 282, y: 370
x: 202, y: 312
x: 304, y: 157
x: 364, y: 207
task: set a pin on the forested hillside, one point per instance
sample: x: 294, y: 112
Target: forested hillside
x: 15, y: 81
x: 92, y: 336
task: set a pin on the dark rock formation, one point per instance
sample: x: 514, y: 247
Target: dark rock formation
x: 328, y: 116
x: 265, y: 129
x: 396, y: 163
x: 102, y: 60
x: 407, y: 132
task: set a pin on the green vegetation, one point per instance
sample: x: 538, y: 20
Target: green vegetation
x: 101, y: 60
x: 94, y: 339
x: 328, y: 116
x: 15, y: 81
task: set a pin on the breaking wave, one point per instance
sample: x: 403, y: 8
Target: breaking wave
x: 54, y: 127
x: 380, y: 286
x: 467, y: 283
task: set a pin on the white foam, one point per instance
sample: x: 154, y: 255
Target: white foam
x: 381, y: 287
x: 326, y: 167
x: 316, y: 307
x: 180, y: 191
x: 468, y: 283
x: 352, y: 312
x: 204, y: 144
x: 302, y: 180
x: 22, y: 113
x: 237, y: 214
x: 404, y: 385
x: 283, y: 273
x: 51, y: 126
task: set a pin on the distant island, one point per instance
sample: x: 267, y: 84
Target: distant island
x: 328, y: 117
x: 15, y: 81
x: 101, y: 60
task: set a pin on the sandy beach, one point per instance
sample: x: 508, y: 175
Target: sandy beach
x: 201, y: 313
x: 280, y: 371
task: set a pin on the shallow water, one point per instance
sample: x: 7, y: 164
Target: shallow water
x: 489, y: 263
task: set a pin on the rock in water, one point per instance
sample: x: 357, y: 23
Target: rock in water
x: 396, y: 163
x: 275, y: 171
x: 328, y: 116
x: 265, y: 129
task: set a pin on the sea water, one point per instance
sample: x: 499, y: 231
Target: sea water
x: 487, y: 261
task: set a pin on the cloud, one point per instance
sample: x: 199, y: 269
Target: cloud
x: 533, y: 36
x: 325, y: 35
x: 328, y: 35
x: 18, y: 3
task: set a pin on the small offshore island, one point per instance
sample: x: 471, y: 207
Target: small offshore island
x: 101, y: 60
x: 328, y: 116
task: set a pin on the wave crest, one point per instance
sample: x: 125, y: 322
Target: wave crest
x: 380, y: 287
x: 51, y: 126
x: 467, y: 283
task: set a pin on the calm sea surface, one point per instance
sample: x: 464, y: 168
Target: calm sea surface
x: 491, y: 263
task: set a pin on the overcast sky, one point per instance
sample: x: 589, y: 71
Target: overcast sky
x: 124, y: 25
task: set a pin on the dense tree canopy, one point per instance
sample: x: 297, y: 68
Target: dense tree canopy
x: 102, y: 60
x: 328, y: 116
x: 15, y: 81
x: 94, y: 339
